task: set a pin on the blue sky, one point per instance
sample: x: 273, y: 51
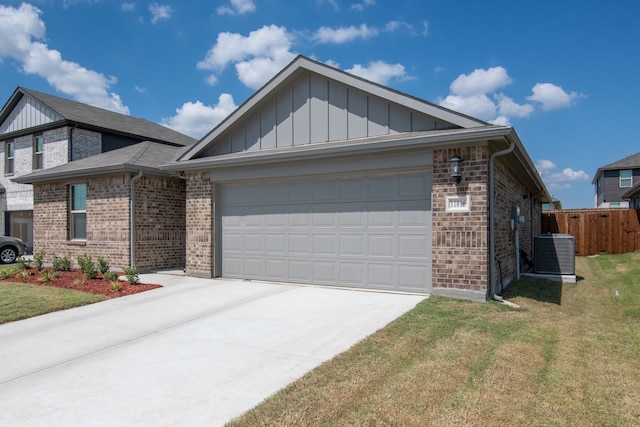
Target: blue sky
x: 564, y: 73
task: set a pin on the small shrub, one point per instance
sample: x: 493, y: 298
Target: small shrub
x: 61, y: 264
x: 23, y: 263
x: 23, y: 274
x: 46, y: 276
x: 88, y: 267
x: 37, y: 260
x: 103, y: 266
x: 110, y: 276
x: 132, y: 274
x: 7, y: 273
x: 117, y: 287
x: 78, y: 282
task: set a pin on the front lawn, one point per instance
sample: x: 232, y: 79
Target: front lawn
x: 569, y: 356
x: 22, y: 300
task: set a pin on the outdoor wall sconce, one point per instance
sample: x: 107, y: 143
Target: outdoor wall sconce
x: 455, y: 168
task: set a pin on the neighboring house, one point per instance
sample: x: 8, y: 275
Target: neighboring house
x: 325, y: 178
x: 44, y: 137
x: 615, y: 179
x: 632, y: 195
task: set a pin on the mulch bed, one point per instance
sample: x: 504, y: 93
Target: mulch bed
x: 74, y: 279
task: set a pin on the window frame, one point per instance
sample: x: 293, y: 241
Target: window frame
x: 9, y: 146
x: 38, y: 156
x: 626, y: 179
x: 76, y: 212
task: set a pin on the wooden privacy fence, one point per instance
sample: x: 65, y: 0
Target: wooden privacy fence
x: 615, y: 231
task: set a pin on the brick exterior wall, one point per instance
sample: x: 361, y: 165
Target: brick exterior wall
x: 510, y: 191
x: 199, y: 224
x: 159, y: 217
x: 460, y: 239
x: 160, y: 222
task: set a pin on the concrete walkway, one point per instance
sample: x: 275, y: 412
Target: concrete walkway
x: 195, y: 352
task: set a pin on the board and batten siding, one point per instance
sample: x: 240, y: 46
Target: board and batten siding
x: 316, y: 109
x: 28, y: 113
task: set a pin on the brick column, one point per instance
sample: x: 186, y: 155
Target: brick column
x: 199, y: 215
x: 460, y: 245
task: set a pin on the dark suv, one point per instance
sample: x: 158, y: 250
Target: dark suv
x: 10, y: 249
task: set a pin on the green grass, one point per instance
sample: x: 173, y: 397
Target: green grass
x: 20, y: 300
x: 569, y: 356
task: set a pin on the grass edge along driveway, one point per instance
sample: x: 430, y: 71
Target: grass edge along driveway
x: 569, y: 356
x: 21, y: 300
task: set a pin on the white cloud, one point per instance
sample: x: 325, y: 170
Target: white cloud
x: 257, y: 57
x: 128, y: 7
x: 480, y: 82
x: 237, y: 7
x: 19, y: 31
x: 558, y: 181
x: 472, y: 94
x: 159, y: 12
x: 363, y: 5
x: 509, y: 108
x: 344, y: 34
x: 552, y: 96
x: 479, y: 106
x: 196, y: 119
x: 544, y: 165
x: 380, y: 72
x: 395, y: 25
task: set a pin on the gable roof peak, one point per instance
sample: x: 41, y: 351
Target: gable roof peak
x: 298, y: 66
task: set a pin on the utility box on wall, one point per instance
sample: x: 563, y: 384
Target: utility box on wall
x: 555, y: 254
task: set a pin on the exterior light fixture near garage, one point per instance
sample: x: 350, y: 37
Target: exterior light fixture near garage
x: 455, y: 168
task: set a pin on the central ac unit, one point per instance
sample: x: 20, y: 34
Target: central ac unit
x: 555, y: 254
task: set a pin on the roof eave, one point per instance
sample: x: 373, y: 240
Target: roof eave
x: 316, y: 151
x: 38, y: 177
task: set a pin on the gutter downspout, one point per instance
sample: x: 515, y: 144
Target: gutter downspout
x: 492, y: 243
x: 132, y: 222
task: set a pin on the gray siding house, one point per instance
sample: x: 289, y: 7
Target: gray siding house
x: 614, y: 180
x: 39, y: 131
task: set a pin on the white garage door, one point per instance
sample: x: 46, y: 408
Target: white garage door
x: 371, y: 232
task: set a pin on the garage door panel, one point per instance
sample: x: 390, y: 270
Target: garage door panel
x: 275, y: 244
x: 381, y: 215
x: 300, y: 270
x: 412, y: 277
x: 299, y: 191
x: 352, y: 245
x: 371, y: 231
x: 276, y: 269
x: 352, y: 273
x: 381, y: 245
x: 324, y: 272
x: 381, y: 275
x: 352, y: 189
x: 299, y: 244
x: 325, y: 244
x: 413, y: 247
x: 253, y: 268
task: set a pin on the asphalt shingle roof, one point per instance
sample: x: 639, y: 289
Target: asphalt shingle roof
x: 99, y: 118
x: 146, y: 155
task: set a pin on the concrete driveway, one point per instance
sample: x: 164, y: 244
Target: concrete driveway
x: 195, y: 352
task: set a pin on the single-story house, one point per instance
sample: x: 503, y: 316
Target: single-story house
x: 325, y: 178
x: 321, y: 178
